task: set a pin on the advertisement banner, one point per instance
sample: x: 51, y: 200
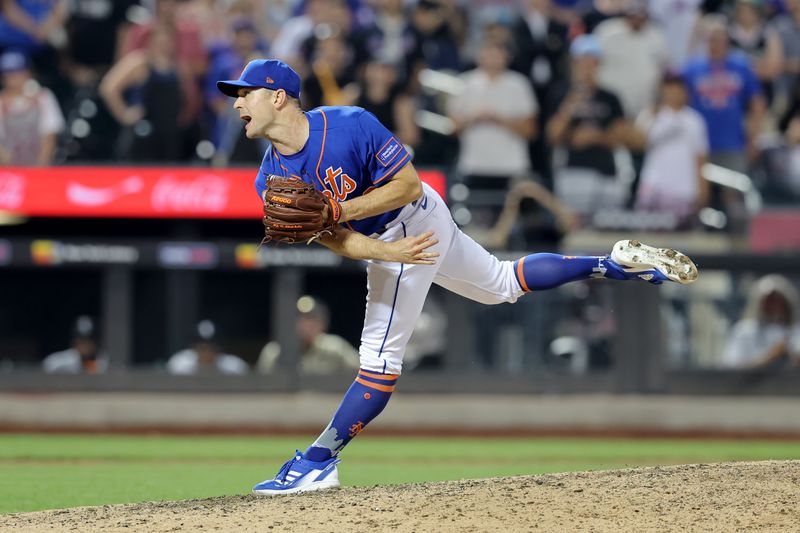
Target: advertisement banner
x: 51, y: 253
x: 138, y: 192
x: 187, y: 255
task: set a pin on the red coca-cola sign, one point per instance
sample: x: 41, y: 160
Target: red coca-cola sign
x: 122, y: 192
x: 12, y: 190
x: 207, y: 193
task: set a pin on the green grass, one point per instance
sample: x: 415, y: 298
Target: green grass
x: 56, y: 471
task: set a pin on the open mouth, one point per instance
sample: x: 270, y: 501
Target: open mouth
x: 247, y: 119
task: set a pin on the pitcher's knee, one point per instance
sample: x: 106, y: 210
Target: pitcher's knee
x: 509, y: 288
x: 497, y: 297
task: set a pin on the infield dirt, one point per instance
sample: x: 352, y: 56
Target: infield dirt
x: 759, y: 496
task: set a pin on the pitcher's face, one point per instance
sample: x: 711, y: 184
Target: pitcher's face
x: 256, y: 109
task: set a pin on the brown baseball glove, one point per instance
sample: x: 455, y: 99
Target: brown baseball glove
x: 295, y: 211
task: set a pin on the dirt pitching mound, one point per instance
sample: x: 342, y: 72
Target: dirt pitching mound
x: 707, y: 497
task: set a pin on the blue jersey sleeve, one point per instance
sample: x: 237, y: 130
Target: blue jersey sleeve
x: 383, y: 154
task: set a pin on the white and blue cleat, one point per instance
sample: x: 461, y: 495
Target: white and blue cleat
x: 634, y: 260
x: 299, y: 474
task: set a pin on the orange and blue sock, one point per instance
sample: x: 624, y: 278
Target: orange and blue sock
x: 538, y: 272
x: 363, y: 401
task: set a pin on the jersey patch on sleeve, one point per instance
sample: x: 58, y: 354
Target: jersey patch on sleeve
x: 389, y: 151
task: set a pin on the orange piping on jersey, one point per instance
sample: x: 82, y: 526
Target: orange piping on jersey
x: 387, y: 377
x: 520, y: 275
x: 391, y: 171
x: 383, y: 388
x: 278, y: 157
x: 321, y: 148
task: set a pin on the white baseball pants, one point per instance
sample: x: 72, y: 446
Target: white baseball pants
x: 396, y: 292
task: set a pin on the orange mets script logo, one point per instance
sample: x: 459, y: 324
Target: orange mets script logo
x: 356, y: 428
x: 339, y: 183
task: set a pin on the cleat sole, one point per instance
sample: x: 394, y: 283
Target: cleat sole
x: 672, y: 263
x: 322, y: 485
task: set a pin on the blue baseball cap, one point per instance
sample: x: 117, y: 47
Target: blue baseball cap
x: 266, y: 73
x: 14, y: 62
x: 586, y: 45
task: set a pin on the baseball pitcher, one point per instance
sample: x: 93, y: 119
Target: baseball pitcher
x: 335, y: 175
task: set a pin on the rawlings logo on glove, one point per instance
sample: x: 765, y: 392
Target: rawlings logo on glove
x: 295, y: 211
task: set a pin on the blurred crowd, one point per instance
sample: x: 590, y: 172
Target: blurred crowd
x: 319, y: 351
x: 545, y: 115
x: 553, y: 111
x: 761, y: 334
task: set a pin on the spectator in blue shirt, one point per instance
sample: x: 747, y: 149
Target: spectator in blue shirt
x: 27, y: 25
x: 724, y: 89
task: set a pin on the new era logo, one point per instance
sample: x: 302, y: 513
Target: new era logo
x: 270, y: 80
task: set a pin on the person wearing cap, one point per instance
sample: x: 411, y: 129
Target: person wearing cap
x: 83, y: 356
x: 588, y: 126
x: 30, y: 117
x: 321, y: 352
x: 205, y: 356
x: 635, y: 55
x: 382, y: 213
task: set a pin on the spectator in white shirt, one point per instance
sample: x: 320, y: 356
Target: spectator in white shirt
x: 768, y: 336
x: 675, y: 141
x: 205, y: 356
x: 30, y: 118
x: 495, y: 118
x: 634, y: 56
